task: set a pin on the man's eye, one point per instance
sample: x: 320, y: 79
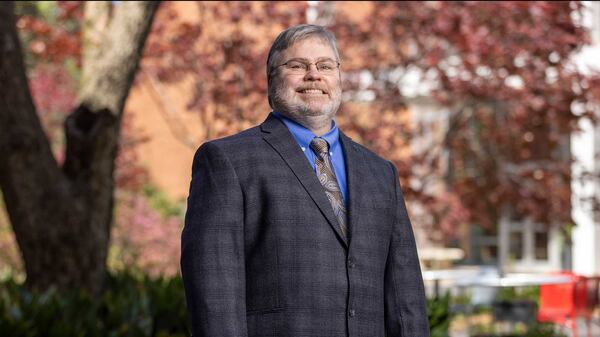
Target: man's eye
x: 295, y: 66
x: 326, y: 66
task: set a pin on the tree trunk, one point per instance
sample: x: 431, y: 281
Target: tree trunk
x: 62, y: 216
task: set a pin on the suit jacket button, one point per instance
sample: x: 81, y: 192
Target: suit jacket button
x: 352, y: 312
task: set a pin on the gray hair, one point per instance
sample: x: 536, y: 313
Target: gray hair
x: 292, y: 35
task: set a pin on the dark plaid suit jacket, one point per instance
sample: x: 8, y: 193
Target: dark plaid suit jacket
x: 262, y: 254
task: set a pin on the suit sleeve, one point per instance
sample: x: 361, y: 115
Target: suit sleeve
x: 212, y: 247
x: 405, y: 305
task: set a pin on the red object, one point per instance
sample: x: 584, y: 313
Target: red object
x: 563, y: 303
x: 593, y: 288
x: 593, y: 299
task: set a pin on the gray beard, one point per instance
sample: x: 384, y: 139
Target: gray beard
x: 302, y: 112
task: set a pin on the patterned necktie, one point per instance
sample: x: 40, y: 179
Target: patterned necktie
x: 328, y: 179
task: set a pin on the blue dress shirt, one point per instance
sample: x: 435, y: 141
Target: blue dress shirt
x: 304, y: 136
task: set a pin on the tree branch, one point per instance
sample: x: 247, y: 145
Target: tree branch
x: 96, y: 18
x: 92, y: 130
x: 111, y: 72
x: 28, y: 170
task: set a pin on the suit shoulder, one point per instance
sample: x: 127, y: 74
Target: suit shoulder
x: 239, y: 140
x: 369, y: 154
x: 375, y: 162
x: 238, y: 149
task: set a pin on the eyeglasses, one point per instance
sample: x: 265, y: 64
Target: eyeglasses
x: 297, y: 66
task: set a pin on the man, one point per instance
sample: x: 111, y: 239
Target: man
x: 293, y: 229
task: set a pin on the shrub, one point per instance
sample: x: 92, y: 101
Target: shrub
x: 439, y: 315
x: 130, y: 306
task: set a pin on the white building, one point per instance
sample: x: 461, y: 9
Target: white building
x: 585, y: 146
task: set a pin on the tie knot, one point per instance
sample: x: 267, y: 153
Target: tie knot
x: 320, y: 146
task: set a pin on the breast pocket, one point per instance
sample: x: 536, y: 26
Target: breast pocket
x: 376, y: 215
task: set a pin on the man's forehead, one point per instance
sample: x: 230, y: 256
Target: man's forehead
x: 314, y: 47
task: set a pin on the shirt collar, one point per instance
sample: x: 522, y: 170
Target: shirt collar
x: 304, y: 136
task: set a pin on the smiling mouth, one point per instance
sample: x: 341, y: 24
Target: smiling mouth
x: 312, y: 92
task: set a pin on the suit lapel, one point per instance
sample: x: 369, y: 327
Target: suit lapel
x: 356, y: 173
x: 278, y: 136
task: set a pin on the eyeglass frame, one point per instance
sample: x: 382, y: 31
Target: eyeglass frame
x: 308, y: 64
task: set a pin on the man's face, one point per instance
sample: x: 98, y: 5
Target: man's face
x: 310, y: 93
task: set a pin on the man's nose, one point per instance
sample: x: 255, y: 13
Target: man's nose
x: 312, y: 74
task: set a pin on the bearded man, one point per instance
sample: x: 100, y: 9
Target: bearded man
x: 293, y: 229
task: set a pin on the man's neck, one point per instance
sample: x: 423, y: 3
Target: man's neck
x: 319, y: 125
x: 321, y: 131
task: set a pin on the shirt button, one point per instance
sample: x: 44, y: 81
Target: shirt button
x: 352, y: 313
x: 351, y: 263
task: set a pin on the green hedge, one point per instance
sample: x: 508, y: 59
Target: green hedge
x: 131, y: 306
x: 439, y: 315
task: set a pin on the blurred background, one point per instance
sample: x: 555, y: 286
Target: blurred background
x: 488, y: 109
